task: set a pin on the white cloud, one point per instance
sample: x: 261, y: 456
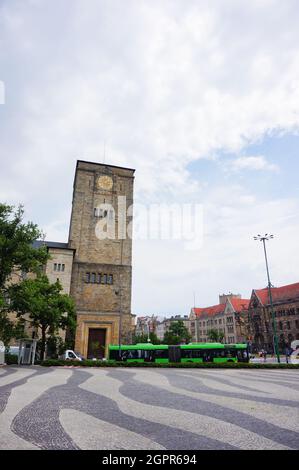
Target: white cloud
x: 165, y: 84
x: 253, y: 163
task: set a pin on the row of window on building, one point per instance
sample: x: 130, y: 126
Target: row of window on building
x: 288, y: 325
x: 98, y: 278
x: 215, y: 322
x: 59, y: 267
x: 286, y: 312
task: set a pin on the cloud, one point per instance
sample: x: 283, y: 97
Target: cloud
x: 253, y: 163
x: 165, y: 84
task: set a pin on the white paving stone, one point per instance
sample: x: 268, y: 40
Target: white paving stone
x: 18, y: 375
x: 91, y: 433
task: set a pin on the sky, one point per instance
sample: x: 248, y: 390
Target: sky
x: 200, y: 97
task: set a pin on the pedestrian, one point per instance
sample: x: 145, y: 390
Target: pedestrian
x: 265, y: 355
x: 288, y: 353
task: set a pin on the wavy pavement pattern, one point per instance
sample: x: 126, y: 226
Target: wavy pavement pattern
x: 146, y: 409
x: 151, y: 394
x: 200, y: 424
x: 21, y: 396
x: 46, y: 409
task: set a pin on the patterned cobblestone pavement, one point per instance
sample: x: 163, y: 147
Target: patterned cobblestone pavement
x: 76, y: 408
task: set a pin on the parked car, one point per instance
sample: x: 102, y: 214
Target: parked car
x: 70, y: 355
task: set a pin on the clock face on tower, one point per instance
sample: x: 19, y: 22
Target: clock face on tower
x: 104, y: 182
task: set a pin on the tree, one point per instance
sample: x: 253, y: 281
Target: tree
x: 45, y: 306
x: 177, y: 333
x: 16, y: 255
x: 144, y: 338
x: 215, y: 336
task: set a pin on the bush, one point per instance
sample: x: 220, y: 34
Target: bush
x: 11, y: 359
x: 206, y: 365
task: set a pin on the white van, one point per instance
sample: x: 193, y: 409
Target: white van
x: 70, y: 355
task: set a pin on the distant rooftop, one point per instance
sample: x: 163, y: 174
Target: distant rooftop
x: 279, y: 294
x: 49, y: 244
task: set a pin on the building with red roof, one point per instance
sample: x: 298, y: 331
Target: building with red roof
x: 286, y: 312
x: 227, y: 318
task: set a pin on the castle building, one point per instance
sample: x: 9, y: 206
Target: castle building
x: 95, y: 266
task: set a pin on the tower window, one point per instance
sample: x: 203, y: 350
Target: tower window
x: 55, y: 266
x: 93, y: 278
x: 110, y: 279
x: 104, y: 277
x: 62, y: 267
x: 87, y: 277
x: 99, y: 278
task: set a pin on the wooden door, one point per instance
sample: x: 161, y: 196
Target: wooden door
x: 96, y: 343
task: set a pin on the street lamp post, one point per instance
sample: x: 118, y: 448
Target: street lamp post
x: 263, y: 239
x: 120, y: 324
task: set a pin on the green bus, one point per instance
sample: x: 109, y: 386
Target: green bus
x: 184, y: 353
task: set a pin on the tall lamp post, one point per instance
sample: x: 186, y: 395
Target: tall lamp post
x: 263, y: 239
x: 120, y: 324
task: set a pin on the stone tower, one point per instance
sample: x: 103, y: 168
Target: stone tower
x: 102, y: 268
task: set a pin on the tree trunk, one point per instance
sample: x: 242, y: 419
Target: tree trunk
x: 43, y: 345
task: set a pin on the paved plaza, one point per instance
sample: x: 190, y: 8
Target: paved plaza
x: 141, y: 408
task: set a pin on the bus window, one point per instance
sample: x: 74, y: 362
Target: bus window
x: 161, y: 354
x: 149, y: 356
x: 187, y: 353
x: 242, y: 355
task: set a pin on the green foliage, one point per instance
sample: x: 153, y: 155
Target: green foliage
x: 11, y: 359
x: 215, y: 336
x: 46, y: 307
x: 16, y: 238
x: 16, y: 255
x: 144, y: 339
x: 206, y: 365
x: 177, y: 333
x: 55, y: 346
x: 9, y: 329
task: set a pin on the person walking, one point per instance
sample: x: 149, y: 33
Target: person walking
x: 288, y: 353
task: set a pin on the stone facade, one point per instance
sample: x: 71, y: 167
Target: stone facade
x: 286, y: 311
x: 164, y: 325
x: 95, y: 267
x: 146, y: 325
x: 226, y: 318
x: 102, y: 268
x: 58, y: 267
